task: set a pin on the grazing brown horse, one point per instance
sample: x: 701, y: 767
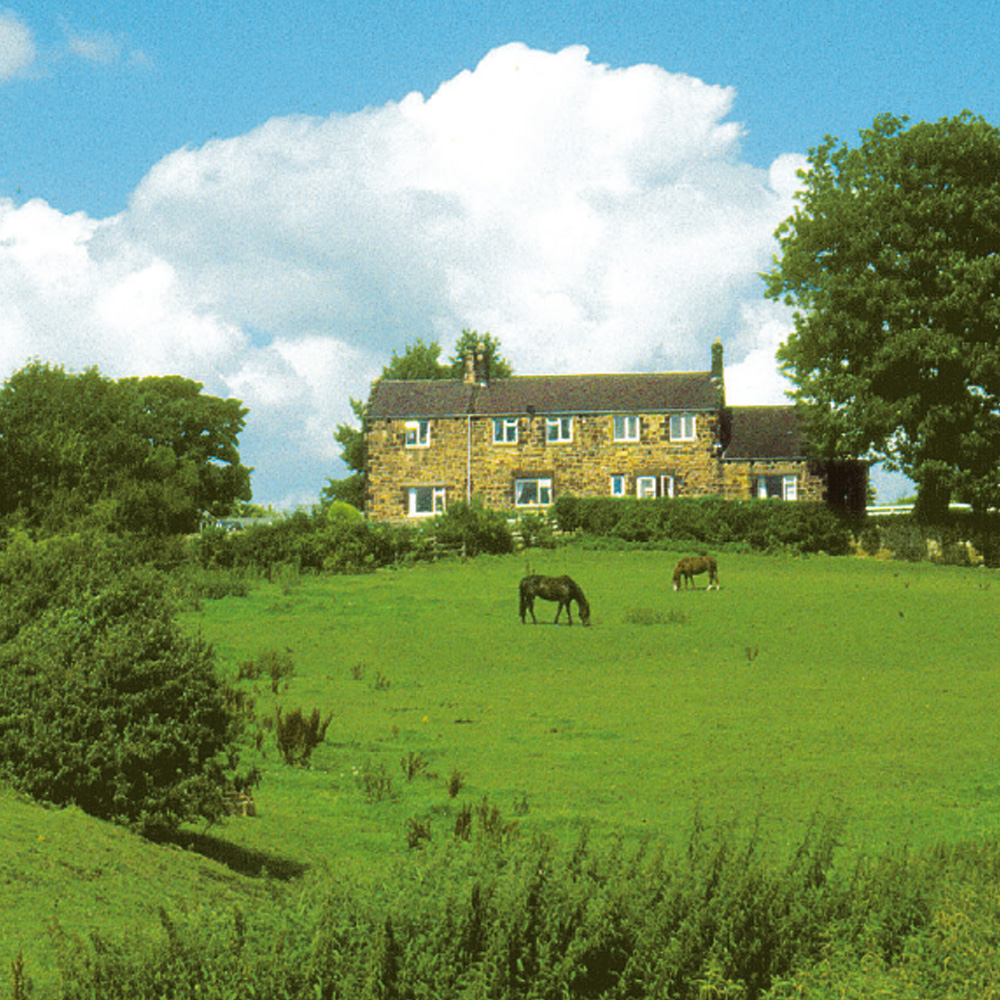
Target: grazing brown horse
x: 553, y: 588
x: 690, y: 566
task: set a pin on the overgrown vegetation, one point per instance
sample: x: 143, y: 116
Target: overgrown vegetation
x: 485, y: 913
x: 758, y: 525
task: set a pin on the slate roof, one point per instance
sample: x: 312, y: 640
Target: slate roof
x: 658, y: 392
x: 758, y: 432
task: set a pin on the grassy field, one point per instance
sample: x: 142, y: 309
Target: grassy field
x: 812, y: 684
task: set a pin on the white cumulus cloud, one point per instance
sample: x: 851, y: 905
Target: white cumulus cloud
x: 591, y: 218
x: 17, y: 46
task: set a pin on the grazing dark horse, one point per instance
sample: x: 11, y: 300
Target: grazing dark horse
x: 553, y: 588
x: 690, y: 566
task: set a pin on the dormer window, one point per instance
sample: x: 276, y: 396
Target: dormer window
x: 418, y: 433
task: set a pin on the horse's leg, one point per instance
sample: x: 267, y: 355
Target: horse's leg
x: 569, y: 613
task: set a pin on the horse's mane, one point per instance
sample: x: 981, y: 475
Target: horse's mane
x: 577, y: 594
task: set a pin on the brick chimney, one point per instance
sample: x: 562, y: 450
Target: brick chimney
x: 469, y: 369
x: 716, y: 371
x: 481, y: 368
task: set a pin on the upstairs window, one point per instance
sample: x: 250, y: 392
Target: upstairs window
x: 418, y: 433
x: 683, y: 427
x: 626, y: 428
x: 425, y: 501
x: 505, y: 430
x: 558, y: 429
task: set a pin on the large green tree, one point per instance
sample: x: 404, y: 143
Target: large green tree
x: 418, y: 361
x: 892, y: 263
x: 149, y: 455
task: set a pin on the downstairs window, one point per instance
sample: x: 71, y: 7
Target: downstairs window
x: 425, y: 501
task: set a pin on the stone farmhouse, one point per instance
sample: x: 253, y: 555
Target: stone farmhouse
x: 518, y: 443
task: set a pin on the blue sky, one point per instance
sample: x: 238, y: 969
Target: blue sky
x: 246, y: 195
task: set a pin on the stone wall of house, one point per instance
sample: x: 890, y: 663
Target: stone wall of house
x: 739, y: 478
x: 393, y: 467
x: 582, y: 466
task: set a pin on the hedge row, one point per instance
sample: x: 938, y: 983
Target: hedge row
x: 967, y: 539
x: 761, y: 525
x: 335, y: 540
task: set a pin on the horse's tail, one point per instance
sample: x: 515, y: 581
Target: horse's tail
x: 523, y: 592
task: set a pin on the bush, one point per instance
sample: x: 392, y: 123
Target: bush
x: 762, y: 524
x: 103, y: 701
x: 336, y: 541
x: 536, y: 531
x: 297, y: 736
x: 473, y: 526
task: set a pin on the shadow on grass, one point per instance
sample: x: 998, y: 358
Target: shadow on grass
x: 243, y: 860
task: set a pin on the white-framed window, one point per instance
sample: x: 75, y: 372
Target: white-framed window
x: 626, y: 428
x: 619, y: 484
x: 649, y: 487
x: 558, y: 429
x: 425, y: 501
x: 418, y: 433
x: 784, y: 487
x: 532, y: 492
x: 683, y: 427
x: 505, y: 430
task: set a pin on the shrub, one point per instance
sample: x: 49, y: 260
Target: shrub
x: 103, y: 701
x: 870, y: 540
x: 375, y: 782
x: 536, y: 531
x: 473, y: 526
x: 297, y: 736
x: 277, y: 665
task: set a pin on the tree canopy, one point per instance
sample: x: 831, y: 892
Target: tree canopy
x: 149, y: 455
x: 892, y: 262
x: 422, y: 361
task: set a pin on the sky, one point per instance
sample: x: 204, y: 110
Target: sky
x: 272, y: 198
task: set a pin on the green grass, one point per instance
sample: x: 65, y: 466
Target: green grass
x: 62, y: 872
x: 803, y: 685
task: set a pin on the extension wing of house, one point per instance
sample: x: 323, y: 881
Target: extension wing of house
x: 518, y: 443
